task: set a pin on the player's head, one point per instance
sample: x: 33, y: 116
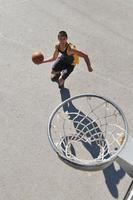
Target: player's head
x: 62, y: 37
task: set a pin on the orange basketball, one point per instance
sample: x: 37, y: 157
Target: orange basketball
x: 37, y: 57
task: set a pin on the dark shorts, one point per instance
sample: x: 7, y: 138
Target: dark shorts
x: 62, y: 65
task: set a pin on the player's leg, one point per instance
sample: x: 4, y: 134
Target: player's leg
x: 65, y: 73
x: 56, y: 70
x: 55, y: 76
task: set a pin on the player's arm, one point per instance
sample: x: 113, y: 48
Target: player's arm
x: 85, y: 56
x: 54, y: 57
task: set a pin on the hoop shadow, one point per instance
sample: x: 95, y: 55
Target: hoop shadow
x: 112, y: 176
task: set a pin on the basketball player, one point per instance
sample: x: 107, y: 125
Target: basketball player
x: 65, y: 64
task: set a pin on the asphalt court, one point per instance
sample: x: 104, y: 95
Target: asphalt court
x: 29, y: 168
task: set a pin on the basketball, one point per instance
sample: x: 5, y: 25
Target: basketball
x: 37, y: 57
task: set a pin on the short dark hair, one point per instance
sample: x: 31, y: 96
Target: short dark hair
x: 62, y: 34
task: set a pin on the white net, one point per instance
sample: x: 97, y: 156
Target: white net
x: 87, y: 130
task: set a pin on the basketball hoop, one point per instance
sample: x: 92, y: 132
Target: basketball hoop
x: 87, y: 131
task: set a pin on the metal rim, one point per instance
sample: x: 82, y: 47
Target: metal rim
x: 96, y: 165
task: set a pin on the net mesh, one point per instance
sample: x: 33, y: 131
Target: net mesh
x: 87, y: 130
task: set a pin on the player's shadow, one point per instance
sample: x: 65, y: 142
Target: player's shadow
x: 112, y: 176
x: 85, y: 128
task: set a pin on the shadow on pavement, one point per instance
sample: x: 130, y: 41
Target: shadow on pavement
x: 112, y: 176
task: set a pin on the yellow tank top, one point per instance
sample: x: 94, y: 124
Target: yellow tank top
x: 76, y: 57
x: 66, y: 51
